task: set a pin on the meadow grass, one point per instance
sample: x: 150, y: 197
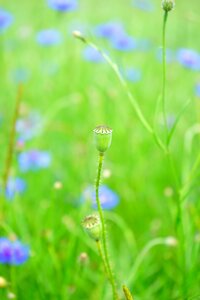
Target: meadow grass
x: 72, y: 101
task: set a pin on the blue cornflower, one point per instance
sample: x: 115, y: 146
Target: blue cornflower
x: 132, y: 74
x: 123, y: 42
x: 92, y: 55
x: 6, y: 19
x: 34, y: 160
x: 144, y: 5
x: 49, y: 37
x: 197, y: 90
x: 14, y: 186
x: 29, y: 126
x: 13, y: 252
x: 63, y: 5
x: 189, y: 58
x: 109, y: 30
x: 108, y: 198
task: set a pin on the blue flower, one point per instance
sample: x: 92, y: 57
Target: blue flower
x: 132, y: 74
x: 123, y: 42
x: 197, y: 90
x: 49, y: 37
x: 34, y: 160
x: 63, y: 5
x: 92, y: 55
x: 109, y: 30
x: 29, y: 127
x: 189, y: 58
x: 144, y: 5
x: 14, y: 186
x: 6, y: 19
x: 108, y: 198
x: 13, y: 252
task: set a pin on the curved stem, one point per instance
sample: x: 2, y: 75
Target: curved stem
x: 105, y: 249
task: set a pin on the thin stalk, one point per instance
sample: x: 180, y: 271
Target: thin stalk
x: 11, y: 144
x: 127, y: 293
x: 164, y: 70
x: 103, y: 258
x: 104, y: 242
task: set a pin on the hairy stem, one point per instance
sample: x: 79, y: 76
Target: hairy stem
x: 104, y: 242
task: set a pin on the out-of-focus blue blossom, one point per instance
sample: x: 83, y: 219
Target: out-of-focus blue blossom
x: 108, y: 198
x: 133, y: 74
x: 49, y: 37
x: 34, y: 160
x: 29, y: 126
x: 13, y: 252
x: 63, y: 5
x: 92, y: 55
x: 123, y: 42
x: 145, y: 5
x: 20, y: 75
x: 144, y: 44
x: 189, y: 58
x: 170, y: 56
x: 197, y: 90
x: 14, y: 186
x: 109, y: 30
x: 6, y: 20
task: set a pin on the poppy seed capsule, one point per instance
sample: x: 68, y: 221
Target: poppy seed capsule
x: 92, y: 226
x: 102, y: 137
x: 168, y: 5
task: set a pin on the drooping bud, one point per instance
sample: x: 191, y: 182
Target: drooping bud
x: 77, y: 34
x: 102, y: 137
x: 92, y: 226
x: 168, y: 5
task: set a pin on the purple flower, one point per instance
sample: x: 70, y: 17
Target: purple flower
x: 108, y: 198
x: 63, y: 5
x: 29, y: 126
x: 14, y: 186
x: 197, y: 90
x: 13, y: 253
x: 132, y: 74
x: 49, y: 37
x: 6, y: 19
x: 109, y: 30
x: 34, y: 160
x: 123, y: 42
x: 144, y: 5
x: 189, y: 58
x: 92, y: 55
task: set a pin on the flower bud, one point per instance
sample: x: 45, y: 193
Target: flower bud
x: 92, y: 226
x: 102, y: 137
x: 168, y: 5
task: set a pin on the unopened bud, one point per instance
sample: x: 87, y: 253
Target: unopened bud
x: 168, y: 5
x: 77, y: 34
x: 92, y: 226
x: 171, y: 241
x: 102, y: 137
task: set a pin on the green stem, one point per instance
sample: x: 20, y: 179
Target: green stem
x: 164, y: 70
x: 102, y: 257
x: 105, y: 248
x: 11, y: 144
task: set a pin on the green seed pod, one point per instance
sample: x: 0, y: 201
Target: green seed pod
x: 168, y: 5
x: 102, y: 137
x: 92, y: 226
